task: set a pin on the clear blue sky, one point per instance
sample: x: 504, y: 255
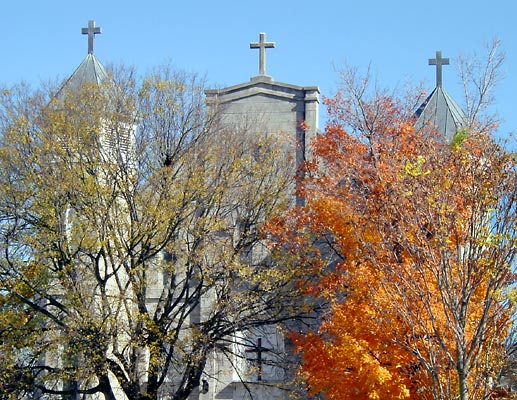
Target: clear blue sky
x: 42, y: 39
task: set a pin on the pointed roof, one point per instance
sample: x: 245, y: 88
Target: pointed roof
x: 439, y: 109
x: 90, y: 70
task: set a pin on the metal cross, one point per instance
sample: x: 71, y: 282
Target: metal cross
x: 259, y: 350
x: 438, y: 61
x: 91, y: 31
x: 262, y: 45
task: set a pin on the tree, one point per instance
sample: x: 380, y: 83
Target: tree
x: 133, y: 254
x: 421, y: 238
x: 480, y: 76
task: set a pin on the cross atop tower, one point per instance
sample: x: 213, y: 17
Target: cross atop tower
x: 262, y: 45
x: 438, y: 61
x: 91, y: 31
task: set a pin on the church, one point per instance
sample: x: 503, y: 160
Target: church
x: 261, y: 105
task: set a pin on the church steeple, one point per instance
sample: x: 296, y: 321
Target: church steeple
x: 439, y: 109
x: 117, y: 135
x: 90, y: 70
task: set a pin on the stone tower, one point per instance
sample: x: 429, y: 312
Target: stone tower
x: 262, y: 106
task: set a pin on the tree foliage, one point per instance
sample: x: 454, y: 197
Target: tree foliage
x: 129, y: 257
x: 420, y: 238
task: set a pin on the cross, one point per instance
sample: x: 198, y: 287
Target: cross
x: 259, y: 350
x: 262, y: 45
x: 438, y: 61
x: 91, y: 31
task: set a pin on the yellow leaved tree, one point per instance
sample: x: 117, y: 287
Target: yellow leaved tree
x: 130, y: 237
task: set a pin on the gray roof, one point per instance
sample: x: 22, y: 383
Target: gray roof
x: 89, y: 71
x: 441, y: 111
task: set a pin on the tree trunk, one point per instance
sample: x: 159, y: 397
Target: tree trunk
x: 462, y: 378
x: 106, y: 389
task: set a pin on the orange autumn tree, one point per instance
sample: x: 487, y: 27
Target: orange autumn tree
x: 421, y: 240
